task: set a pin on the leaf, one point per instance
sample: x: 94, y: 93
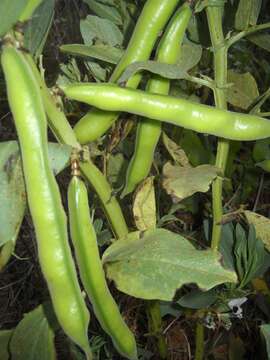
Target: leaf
x: 144, y: 206
x: 10, y: 11
x: 167, y: 71
x: 265, y: 165
x: 104, y: 11
x: 106, y: 53
x: 262, y: 40
x: 5, y: 336
x: 116, y: 169
x: 33, y: 338
x: 38, y: 27
x: 12, y: 191
x: 198, y: 299
x: 182, y: 182
x: 93, y: 28
x: 244, y: 90
x: 265, y: 330
x: 190, y: 55
x: 154, y: 264
x: 227, y: 244
x: 247, y: 13
x: 175, y: 151
x: 262, y: 226
x: 261, y: 150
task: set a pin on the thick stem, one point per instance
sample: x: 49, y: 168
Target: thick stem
x: 214, y: 17
x: 155, y: 327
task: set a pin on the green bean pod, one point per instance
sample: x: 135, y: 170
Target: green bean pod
x: 152, y: 20
x: 92, y: 273
x: 148, y: 131
x: 110, y: 204
x: 198, y: 117
x: 44, y: 198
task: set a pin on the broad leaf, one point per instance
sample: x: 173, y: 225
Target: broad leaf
x: 262, y: 226
x: 198, y: 299
x: 144, y: 206
x: 154, y: 264
x: 105, y: 11
x: 93, y: 28
x: 5, y: 337
x: 247, y: 13
x: 265, y: 165
x: 244, y: 90
x: 33, y: 338
x: 182, y: 182
x: 38, y: 28
x: 105, y: 53
x: 262, y: 40
x: 10, y: 11
x: 190, y: 55
x: 261, y: 150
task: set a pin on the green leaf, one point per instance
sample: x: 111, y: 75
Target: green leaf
x: 262, y: 226
x: 167, y: 71
x: 144, y: 206
x: 33, y: 338
x: 261, y: 150
x: 244, y: 90
x: 247, y: 13
x: 105, y: 11
x: 13, y: 194
x: 38, y: 28
x: 182, y: 182
x: 190, y: 55
x: 116, y: 169
x: 198, y: 299
x: 5, y: 337
x: 262, y: 40
x: 94, y: 27
x: 265, y: 330
x: 10, y: 11
x: 265, y: 165
x: 227, y: 246
x: 154, y: 264
x: 106, y: 53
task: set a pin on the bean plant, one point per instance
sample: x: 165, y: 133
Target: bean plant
x: 135, y: 162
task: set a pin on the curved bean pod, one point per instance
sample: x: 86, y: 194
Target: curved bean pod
x: 148, y: 131
x: 92, y: 273
x: 44, y: 198
x: 153, y: 18
x: 198, y: 117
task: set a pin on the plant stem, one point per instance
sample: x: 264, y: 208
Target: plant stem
x: 199, y: 341
x: 214, y: 17
x: 155, y: 327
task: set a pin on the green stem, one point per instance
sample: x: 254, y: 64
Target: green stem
x: 199, y: 354
x: 155, y: 327
x: 214, y: 17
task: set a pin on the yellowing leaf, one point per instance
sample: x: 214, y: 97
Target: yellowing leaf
x: 144, y: 207
x: 182, y: 182
x: 175, y: 151
x: 262, y: 226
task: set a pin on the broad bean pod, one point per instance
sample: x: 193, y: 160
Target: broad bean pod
x: 92, y: 273
x: 198, y: 117
x: 152, y: 20
x: 148, y: 130
x: 44, y: 198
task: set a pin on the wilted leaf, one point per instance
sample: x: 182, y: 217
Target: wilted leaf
x: 182, y: 182
x: 244, y: 90
x: 144, y: 206
x: 155, y: 263
x: 178, y: 154
x: 102, y: 52
x: 94, y: 27
x: 33, y: 338
x: 262, y: 226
